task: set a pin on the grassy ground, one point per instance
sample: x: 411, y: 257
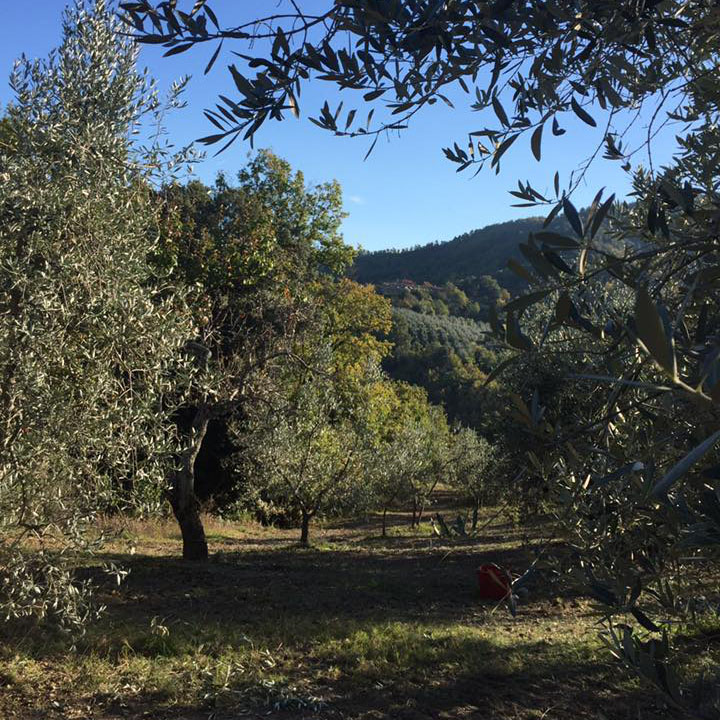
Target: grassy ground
x: 354, y: 627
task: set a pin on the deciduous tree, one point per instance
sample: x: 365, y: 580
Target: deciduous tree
x: 254, y: 255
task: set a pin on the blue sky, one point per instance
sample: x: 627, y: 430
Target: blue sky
x: 406, y: 193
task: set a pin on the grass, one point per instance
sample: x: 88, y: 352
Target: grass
x: 354, y: 627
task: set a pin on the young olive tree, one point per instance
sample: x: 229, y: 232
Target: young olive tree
x: 472, y: 462
x: 392, y: 466
x: 89, y: 332
x: 434, y: 460
x: 396, y: 466
x: 311, y: 453
x: 398, y: 446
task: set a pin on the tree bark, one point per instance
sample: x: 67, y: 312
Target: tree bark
x: 424, y: 500
x: 475, y: 511
x: 421, y: 511
x: 384, y: 522
x: 183, y: 500
x: 195, y: 546
x: 305, y: 529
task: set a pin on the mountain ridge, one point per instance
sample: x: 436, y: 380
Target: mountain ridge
x: 483, y: 251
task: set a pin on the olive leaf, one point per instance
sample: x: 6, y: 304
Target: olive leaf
x: 681, y: 468
x: 652, y: 331
x: 536, y: 141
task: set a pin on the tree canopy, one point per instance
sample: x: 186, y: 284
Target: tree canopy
x: 92, y: 335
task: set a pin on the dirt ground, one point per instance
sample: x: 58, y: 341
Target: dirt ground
x: 356, y: 627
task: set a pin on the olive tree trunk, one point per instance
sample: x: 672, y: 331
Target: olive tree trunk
x: 305, y: 529
x: 421, y: 512
x: 183, y: 500
x: 475, y: 510
x: 422, y: 502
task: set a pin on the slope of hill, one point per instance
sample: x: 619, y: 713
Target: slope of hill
x: 441, y: 295
x: 479, y: 252
x: 415, y: 331
x: 448, y: 356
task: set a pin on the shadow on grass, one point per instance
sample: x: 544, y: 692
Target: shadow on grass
x: 388, y: 629
x: 434, y: 673
x: 358, y: 627
x: 286, y: 592
x: 328, y: 584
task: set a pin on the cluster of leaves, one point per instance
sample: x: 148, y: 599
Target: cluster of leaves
x: 636, y: 486
x: 401, y: 56
x: 626, y: 448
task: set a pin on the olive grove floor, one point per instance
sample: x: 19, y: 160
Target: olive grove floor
x: 355, y: 627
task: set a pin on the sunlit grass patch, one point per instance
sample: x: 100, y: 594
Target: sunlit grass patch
x: 417, y: 650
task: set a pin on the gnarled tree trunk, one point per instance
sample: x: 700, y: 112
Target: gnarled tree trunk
x: 183, y: 500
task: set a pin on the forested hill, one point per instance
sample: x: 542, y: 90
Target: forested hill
x: 479, y: 252
x: 441, y: 295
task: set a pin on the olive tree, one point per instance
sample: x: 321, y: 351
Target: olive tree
x: 472, y: 463
x: 433, y: 464
x: 310, y: 453
x: 392, y: 466
x: 91, y: 335
x: 400, y: 447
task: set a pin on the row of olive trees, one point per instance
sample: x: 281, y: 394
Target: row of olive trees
x: 316, y: 455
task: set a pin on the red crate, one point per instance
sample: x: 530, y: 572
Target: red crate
x: 493, y: 582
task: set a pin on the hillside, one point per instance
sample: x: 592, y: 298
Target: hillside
x: 416, y: 331
x: 484, y: 251
x: 442, y: 294
x: 448, y: 356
